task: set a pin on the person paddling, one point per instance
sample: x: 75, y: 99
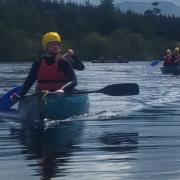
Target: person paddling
x: 53, y: 71
x: 176, y: 57
x: 167, y: 59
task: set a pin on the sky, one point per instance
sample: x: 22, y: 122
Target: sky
x: 177, y: 2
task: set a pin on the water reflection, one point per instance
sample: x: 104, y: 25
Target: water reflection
x: 49, y: 150
x: 119, y: 142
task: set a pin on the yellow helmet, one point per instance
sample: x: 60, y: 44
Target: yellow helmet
x: 50, y: 37
x: 176, y: 49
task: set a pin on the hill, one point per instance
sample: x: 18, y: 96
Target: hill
x: 167, y: 8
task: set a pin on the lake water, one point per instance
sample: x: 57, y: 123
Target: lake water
x: 133, y: 137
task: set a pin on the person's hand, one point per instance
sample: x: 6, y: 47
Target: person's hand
x: 44, y: 93
x: 71, y: 52
x: 60, y: 91
x: 58, y: 56
x: 15, y: 97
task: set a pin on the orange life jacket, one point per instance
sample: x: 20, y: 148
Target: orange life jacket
x: 50, y: 77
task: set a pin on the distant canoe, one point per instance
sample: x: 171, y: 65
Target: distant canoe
x: 170, y: 69
x: 113, y: 61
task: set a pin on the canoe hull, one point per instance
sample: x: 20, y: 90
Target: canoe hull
x: 58, y: 107
x: 170, y: 70
x: 53, y: 106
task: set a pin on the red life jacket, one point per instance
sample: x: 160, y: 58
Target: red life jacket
x: 50, y: 77
x: 167, y: 59
x: 177, y: 58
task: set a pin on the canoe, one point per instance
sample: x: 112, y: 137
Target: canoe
x: 170, y: 69
x: 52, y: 106
x: 110, y: 61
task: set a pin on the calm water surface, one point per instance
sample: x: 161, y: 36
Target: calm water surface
x: 135, y: 137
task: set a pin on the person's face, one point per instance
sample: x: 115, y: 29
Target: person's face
x: 53, y: 47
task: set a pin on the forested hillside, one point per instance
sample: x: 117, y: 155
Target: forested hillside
x: 91, y: 30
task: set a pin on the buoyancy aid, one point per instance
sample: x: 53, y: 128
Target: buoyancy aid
x: 50, y: 77
x: 167, y: 59
x: 176, y: 59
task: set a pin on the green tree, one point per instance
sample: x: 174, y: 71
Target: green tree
x: 94, y: 45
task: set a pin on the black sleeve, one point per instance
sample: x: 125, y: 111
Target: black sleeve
x: 69, y: 74
x: 31, y: 78
x: 76, y: 63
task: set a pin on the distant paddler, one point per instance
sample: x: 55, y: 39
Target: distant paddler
x: 167, y: 59
x: 176, y: 57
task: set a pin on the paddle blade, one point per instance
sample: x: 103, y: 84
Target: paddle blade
x: 155, y: 62
x: 5, y: 100
x: 125, y: 89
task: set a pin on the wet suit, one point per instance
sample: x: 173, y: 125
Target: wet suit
x: 76, y: 63
x: 49, y: 59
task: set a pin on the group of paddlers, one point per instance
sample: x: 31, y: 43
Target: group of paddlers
x: 172, y: 58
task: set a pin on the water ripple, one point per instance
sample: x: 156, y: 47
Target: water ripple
x: 134, y: 137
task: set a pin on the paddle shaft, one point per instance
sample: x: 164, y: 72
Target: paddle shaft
x: 124, y: 89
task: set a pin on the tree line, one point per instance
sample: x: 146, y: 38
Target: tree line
x: 91, y: 30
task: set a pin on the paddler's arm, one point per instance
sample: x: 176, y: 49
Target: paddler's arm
x: 76, y: 63
x: 31, y: 78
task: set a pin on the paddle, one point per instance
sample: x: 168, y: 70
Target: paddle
x: 125, y: 89
x: 5, y: 100
x: 155, y: 62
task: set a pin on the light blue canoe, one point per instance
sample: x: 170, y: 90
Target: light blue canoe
x: 53, y: 106
x: 61, y: 107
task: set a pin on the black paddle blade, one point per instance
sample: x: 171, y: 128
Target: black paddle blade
x: 125, y: 89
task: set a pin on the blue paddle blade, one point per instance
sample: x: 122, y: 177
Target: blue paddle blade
x: 5, y: 101
x: 155, y: 62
